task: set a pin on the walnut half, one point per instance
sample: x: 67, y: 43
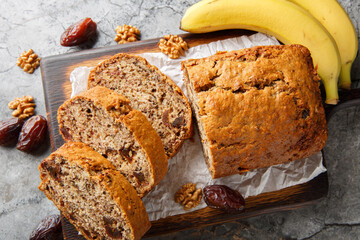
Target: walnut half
x: 23, y: 107
x: 188, y: 196
x: 28, y: 61
x: 126, y: 33
x: 173, y: 46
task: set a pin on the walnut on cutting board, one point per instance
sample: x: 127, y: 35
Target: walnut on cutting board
x: 188, y: 196
x: 173, y: 46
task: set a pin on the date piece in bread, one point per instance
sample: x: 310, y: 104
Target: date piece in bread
x: 151, y: 92
x: 95, y: 197
x: 256, y: 107
x: 104, y: 120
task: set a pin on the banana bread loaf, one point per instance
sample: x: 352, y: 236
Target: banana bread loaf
x: 256, y: 107
x: 151, y: 92
x: 92, y: 194
x: 105, y: 121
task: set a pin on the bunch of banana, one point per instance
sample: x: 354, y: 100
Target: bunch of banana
x: 290, y: 21
x: 334, y: 18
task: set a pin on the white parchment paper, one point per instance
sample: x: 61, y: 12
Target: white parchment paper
x: 189, y: 164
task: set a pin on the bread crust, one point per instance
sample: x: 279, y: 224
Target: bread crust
x: 117, y: 106
x: 256, y: 107
x: 102, y: 171
x: 145, y: 134
x: 93, y: 81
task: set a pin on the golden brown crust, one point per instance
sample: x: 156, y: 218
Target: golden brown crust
x: 256, y: 107
x: 125, y: 195
x: 105, y: 97
x: 92, y: 82
x: 147, y: 137
x: 80, y: 153
x: 102, y: 171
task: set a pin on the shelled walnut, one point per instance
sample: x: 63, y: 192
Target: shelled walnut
x: 24, y: 107
x: 127, y: 33
x: 28, y: 61
x: 188, y: 196
x: 173, y: 46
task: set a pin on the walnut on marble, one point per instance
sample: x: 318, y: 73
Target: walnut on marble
x: 23, y: 107
x: 173, y: 46
x: 126, y: 33
x: 28, y: 61
x: 188, y: 196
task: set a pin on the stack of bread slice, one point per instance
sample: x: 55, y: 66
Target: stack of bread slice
x: 120, y: 134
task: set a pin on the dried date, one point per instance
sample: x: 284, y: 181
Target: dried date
x: 48, y: 229
x: 78, y: 33
x: 223, y: 197
x: 10, y: 130
x: 32, y: 134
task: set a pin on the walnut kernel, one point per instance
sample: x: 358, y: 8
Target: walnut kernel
x: 28, y: 61
x: 126, y: 33
x: 173, y: 46
x: 24, y: 107
x: 188, y: 196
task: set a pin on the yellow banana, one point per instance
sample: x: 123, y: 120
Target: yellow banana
x: 286, y: 21
x: 334, y: 18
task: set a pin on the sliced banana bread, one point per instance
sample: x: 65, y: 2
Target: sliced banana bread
x: 151, y: 92
x: 256, y: 107
x: 104, y: 120
x: 95, y: 197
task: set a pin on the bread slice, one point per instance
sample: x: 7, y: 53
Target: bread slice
x: 151, y: 92
x: 105, y: 121
x: 256, y: 107
x: 92, y: 194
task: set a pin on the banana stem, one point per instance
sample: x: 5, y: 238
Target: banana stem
x: 331, y: 89
x: 345, y: 76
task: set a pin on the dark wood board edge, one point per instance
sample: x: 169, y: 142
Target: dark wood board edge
x: 50, y: 93
x: 149, y: 45
x: 282, y: 200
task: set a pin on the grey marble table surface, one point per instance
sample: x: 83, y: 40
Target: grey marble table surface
x: 38, y: 25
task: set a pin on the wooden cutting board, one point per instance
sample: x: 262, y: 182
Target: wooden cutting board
x: 55, y: 71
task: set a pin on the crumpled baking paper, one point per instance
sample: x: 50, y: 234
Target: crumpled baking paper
x: 189, y: 164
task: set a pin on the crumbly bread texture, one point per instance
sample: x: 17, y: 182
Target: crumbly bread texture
x: 151, y: 92
x: 92, y: 194
x: 256, y: 107
x: 105, y: 121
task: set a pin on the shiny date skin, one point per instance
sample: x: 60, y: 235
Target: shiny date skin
x: 49, y: 228
x: 223, y: 197
x: 10, y: 130
x: 32, y: 134
x: 78, y: 33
